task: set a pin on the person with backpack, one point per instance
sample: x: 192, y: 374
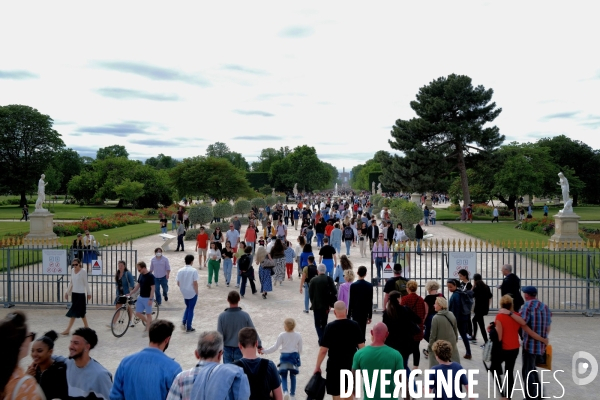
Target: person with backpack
x: 308, y: 272
x: 460, y: 305
x: 398, y: 283
x: 262, y: 374
x: 348, y: 238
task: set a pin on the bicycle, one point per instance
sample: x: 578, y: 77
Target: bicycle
x: 122, y: 317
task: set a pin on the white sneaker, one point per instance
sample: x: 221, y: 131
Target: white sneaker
x: 131, y: 325
x: 217, y: 284
x: 286, y: 396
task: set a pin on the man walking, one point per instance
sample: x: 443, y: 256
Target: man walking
x: 495, y: 214
x: 86, y: 378
x: 281, y: 231
x: 392, y: 284
x: 233, y: 237
x: 161, y: 269
x: 322, y: 294
x: 360, y: 307
x: 419, y: 236
x: 511, y: 285
x: 180, y: 235
x: 538, y: 317
x: 327, y: 256
x: 149, y: 373
x: 378, y: 356
x: 202, y: 247
x: 187, y: 280
x: 372, y: 233
x: 342, y: 338
x: 145, y: 285
x: 230, y: 322
x: 262, y: 373
x: 195, y: 383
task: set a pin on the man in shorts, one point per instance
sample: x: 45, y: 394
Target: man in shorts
x: 144, y: 302
x: 201, y: 247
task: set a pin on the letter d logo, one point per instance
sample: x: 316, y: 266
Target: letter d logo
x: 580, y: 367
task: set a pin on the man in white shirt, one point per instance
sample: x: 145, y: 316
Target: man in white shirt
x: 187, y: 280
x: 233, y: 236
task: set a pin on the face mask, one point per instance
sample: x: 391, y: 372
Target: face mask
x: 158, y: 254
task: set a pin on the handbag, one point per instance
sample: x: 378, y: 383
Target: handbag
x: 268, y: 263
x: 315, y: 388
x: 487, y: 351
x: 545, y: 360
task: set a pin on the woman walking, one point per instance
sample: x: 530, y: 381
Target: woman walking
x: 50, y: 374
x: 278, y: 255
x: 432, y: 288
x: 79, y: 288
x: 362, y: 240
x: 415, y: 302
x: 264, y: 274
x: 398, y: 318
x: 124, y: 284
x: 214, y: 264
x: 464, y: 285
x: 443, y: 327
x: 483, y: 299
x: 227, y: 256
x: 89, y: 251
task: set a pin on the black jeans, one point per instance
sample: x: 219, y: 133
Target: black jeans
x: 362, y: 324
x: 462, y: 330
x: 532, y: 382
x: 510, y: 358
x: 243, y: 286
x: 179, y: 242
x: 320, y: 322
x: 478, y: 320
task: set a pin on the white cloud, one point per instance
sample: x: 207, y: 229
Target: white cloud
x: 312, y: 73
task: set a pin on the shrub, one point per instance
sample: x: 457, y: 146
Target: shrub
x: 244, y: 220
x: 454, y: 207
x: 224, y: 225
x: 201, y: 214
x: 222, y: 209
x: 271, y: 200
x: 242, y: 206
x: 149, y: 211
x: 408, y: 213
x: 191, y: 234
x: 258, y: 202
x: 544, y: 226
x: 280, y: 199
x: 97, y: 223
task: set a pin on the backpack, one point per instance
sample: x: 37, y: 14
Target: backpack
x: 258, y: 382
x: 401, y: 286
x: 348, y: 233
x: 311, y: 272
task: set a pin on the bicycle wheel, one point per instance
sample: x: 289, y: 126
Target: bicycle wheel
x: 155, y: 310
x: 120, y: 322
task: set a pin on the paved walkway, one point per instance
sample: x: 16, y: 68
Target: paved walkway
x: 570, y: 333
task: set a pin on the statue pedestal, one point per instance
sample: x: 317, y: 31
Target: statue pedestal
x: 416, y: 198
x: 40, y: 231
x: 428, y: 201
x: 566, y: 231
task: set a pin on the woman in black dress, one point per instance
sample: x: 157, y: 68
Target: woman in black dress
x: 217, y: 237
x: 464, y: 285
x: 51, y: 375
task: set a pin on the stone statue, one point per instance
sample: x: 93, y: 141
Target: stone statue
x: 295, y: 189
x: 564, y: 185
x: 373, y: 187
x: 39, y: 204
x: 273, y: 192
x: 379, y: 191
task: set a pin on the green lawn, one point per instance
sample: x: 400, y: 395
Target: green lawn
x: 443, y: 214
x: 503, y: 231
x: 64, y: 211
x: 13, y: 228
x: 586, y: 214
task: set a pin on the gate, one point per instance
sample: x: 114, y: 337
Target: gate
x: 22, y: 280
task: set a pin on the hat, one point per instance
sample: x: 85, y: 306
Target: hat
x: 530, y: 290
x: 79, y: 234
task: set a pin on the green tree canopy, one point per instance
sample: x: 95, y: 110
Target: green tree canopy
x: 129, y: 191
x: 201, y: 214
x: 451, y: 122
x: 214, y: 177
x: 111, y: 151
x: 221, y: 150
x: 242, y: 206
x: 162, y: 162
x: 223, y: 209
x: 268, y: 157
x: 301, y: 166
x: 28, y: 145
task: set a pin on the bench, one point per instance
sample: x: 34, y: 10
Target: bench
x: 428, y: 236
x: 168, y: 241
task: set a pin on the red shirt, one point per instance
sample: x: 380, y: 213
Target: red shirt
x: 510, y: 331
x: 201, y: 240
x: 417, y: 305
x: 250, y: 235
x: 328, y: 230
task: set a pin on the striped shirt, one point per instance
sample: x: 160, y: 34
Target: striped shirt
x: 538, y: 317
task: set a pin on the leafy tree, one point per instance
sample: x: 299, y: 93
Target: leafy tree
x: 83, y: 186
x: 258, y: 202
x: 213, y: 177
x: 301, y: 166
x: 201, y: 214
x: 406, y: 212
x: 266, y: 190
x: 451, y: 115
x: 28, y: 145
x: 242, y: 206
x: 162, y: 162
x: 68, y: 163
x: 158, y: 189
x: 217, y: 150
x: 223, y: 209
x: 111, y: 151
x: 268, y: 157
x: 334, y: 175
x: 478, y: 192
x: 360, y: 180
x: 130, y: 191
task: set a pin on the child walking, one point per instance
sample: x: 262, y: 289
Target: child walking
x: 289, y: 361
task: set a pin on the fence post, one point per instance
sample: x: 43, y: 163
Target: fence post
x: 8, y: 303
x: 588, y: 311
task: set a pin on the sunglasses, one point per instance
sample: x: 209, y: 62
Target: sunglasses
x: 75, y: 265
x: 31, y: 335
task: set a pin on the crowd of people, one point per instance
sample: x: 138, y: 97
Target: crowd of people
x: 230, y: 365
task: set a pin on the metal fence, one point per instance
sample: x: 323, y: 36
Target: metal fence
x: 567, y: 279
x: 22, y: 280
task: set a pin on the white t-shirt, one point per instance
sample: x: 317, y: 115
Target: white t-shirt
x: 186, y: 277
x: 290, y: 342
x: 233, y: 237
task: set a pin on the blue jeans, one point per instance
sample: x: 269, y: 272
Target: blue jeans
x: 163, y: 229
x: 284, y: 385
x: 188, y: 314
x: 239, y: 276
x: 338, y: 247
x: 419, y: 246
x: 158, y: 282
x: 306, y: 296
x: 231, y: 354
x: 227, y: 266
x: 329, y: 264
x: 320, y: 239
x: 433, y: 221
x: 379, y: 263
x: 348, y: 244
x: 251, y: 244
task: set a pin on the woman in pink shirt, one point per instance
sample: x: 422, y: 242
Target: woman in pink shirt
x: 344, y: 292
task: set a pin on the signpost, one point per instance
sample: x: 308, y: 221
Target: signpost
x: 462, y: 260
x: 97, y: 267
x: 388, y: 271
x: 54, y: 262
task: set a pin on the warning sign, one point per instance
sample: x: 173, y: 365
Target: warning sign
x: 55, y: 262
x: 462, y: 260
x: 388, y: 271
x: 97, y: 267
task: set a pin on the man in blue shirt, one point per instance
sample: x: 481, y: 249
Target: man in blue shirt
x: 149, y: 373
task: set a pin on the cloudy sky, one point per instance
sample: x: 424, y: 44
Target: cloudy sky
x: 173, y: 77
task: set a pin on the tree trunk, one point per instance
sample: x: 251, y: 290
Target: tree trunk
x: 510, y: 202
x: 120, y: 203
x: 464, y: 181
x: 23, y: 199
x: 575, y: 198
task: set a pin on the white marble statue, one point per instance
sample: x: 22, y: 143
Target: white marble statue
x: 273, y: 192
x: 295, y: 189
x: 373, y: 187
x: 39, y: 204
x: 568, y: 203
x: 379, y: 191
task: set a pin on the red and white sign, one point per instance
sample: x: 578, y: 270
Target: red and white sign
x: 97, y: 267
x: 462, y: 260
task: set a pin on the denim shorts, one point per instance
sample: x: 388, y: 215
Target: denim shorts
x: 142, y: 305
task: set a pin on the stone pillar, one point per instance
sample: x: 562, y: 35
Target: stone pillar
x: 428, y: 201
x: 40, y: 229
x: 416, y: 198
x: 566, y: 231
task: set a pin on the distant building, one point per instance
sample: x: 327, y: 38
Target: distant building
x: 344, y: 176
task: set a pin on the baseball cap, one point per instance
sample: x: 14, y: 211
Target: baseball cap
x: 530, y: 290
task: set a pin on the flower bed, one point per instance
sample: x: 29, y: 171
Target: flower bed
x: 545, y: 226
x: 98, y: 223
